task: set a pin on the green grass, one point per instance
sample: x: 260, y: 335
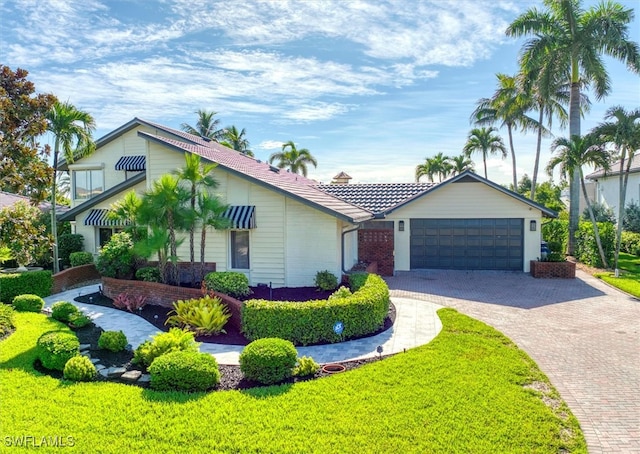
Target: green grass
x: 629, y: 280
x: 464, y: 392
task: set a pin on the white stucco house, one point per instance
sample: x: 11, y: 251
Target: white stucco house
x: 607, y: 185
x: 287, y: 227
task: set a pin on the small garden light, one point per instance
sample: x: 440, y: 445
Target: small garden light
x: 379, y: 350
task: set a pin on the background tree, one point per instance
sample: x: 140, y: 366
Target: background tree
x: 293, y: 159
x: 206, y: 125
x: 21, y: 232
x: 486, y: 142
x: 23, y: 162
x: 461, y: 164
x: 436, y: 166
x: 236, y: 140
x: 125, y: 211
x: 72, y: 129
x: 575, y: 41
x: 209, y: 211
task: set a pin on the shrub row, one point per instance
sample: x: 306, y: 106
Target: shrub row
x: 6, y: 319
x: 310, y: 322
x: 587, y: 248
x: 35, y: 282
x: 630, y: 243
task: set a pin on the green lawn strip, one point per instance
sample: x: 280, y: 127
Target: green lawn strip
x: 461, y: 393
x: 629, y: 280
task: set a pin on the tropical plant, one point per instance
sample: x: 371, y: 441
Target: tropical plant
x: 206, y: 126
x: 573, y: 42
x: 130, y: 303
x: 125, y: 212
x: 210, y: 211
x: 486, y: 142
x: 573, y: 154
x: 72, y: 129
x: 439, y: 166
x: 206, y: 315
x: 236, y: 140
x: 460, y: 164
x: 293, y: 159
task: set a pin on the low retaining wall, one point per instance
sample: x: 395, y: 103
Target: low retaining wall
x: 560, y: 270
x: 164, y: 295
x: 73, y: 276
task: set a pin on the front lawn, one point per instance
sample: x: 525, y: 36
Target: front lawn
x: 629, y: 280
x: 470, y: 390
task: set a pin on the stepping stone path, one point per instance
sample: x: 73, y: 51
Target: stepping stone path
x: 131, y: 376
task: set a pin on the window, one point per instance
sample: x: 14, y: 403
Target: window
x: 105, y: 234
x: 240, y: 249
x: 87, y: 183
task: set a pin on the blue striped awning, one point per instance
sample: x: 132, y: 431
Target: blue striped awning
x: 241, y: 216
x: 98, y: 217
x: 132, y: 163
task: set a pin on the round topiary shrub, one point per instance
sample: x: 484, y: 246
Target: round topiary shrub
x: 28, y: 303
x: 268, y: 360
x: 230, y: 283
x: 79, y: 368
x: 78, y: 320
x: 326, y: 280
x: 80, y: 258
x: 114, y: 341
x: 55, y: 348
x: 184, y: 371
x: 63, y: 310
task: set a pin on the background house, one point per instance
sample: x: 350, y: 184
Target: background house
x: 607, y: 185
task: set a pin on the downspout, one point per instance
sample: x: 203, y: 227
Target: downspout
x: 342, y: 247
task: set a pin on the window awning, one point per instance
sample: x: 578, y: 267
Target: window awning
x: 241, y: 216
x: 98, y: 217
x: 132, y: 163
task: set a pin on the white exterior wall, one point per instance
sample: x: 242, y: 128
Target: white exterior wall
x: 350, y: 247
x: 608, y: 191
x: 465, y: 201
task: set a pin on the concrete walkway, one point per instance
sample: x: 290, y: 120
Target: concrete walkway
x: 416, y: 324
x: 582, y: 333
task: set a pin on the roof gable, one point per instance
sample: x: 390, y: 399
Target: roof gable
x: 376, y: 197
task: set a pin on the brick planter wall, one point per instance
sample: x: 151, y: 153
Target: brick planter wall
x: 377, y: 246
x: 561, y: 270
x: 73, y: 276
x: 164, y: 295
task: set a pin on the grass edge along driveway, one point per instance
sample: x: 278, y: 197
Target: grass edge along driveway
x: 629, y: 280
x: 470, y: 390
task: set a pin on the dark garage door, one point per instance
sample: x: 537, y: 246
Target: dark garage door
x: 467, y: 244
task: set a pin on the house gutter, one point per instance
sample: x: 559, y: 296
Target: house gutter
x: 342, y: 247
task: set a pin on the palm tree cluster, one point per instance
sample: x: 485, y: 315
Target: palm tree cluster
x: 442, y: 166
x: 209, y: 127
x: 293, y: 159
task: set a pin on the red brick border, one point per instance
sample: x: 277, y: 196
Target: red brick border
x: 561, y: 270
x: 73, y: 276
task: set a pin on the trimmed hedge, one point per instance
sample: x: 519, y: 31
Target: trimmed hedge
x: 312, y: 322
x: 230, y: 283
x: 184, y: 371
x: 6, y: 319
x: 36, y: 282
x: 81, y: 258
x: 28, y: 303
x: 587, y: 248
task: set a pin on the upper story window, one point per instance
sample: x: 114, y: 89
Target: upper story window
x: 87, y: 183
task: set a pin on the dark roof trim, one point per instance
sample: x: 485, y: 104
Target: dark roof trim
x: 264, y: 184
x: 71, y: 214
x: 467, y: 174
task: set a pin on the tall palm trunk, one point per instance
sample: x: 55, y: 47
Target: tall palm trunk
x: 54, y: 221
x: 192, y: 229
x: 574, y: 181
x: 484, y: 161
x: 173, y: 249
x: 596, y: 231
x: 203, y: 239
x: 622, y: 200
x: 513, y: 156
x: 534, y: 179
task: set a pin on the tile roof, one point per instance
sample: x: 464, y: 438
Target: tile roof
x: 376, y: 197
x: 8, y: 199
x: 615, y: 169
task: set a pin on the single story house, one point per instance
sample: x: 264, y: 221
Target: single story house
x: 607, y: 185
x: 286, y: 227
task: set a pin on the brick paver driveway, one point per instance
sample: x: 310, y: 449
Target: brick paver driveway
x: 582, y: 333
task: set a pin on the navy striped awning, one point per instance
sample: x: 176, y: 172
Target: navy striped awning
x: 241, y: 216
x: 132, y: 163
x: 98, y: 217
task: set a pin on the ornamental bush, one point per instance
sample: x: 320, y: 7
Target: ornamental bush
x: 586, y: 247
x: 116, y: 258
x: 67, y: 245
x: 184, y: 371
x: 6, y: 319
x: 631, y: 219
x: 114, y: 341
x: 268, y: 360
x: 228, y: 282
x: 63, y: 310
x: 205, y: 315
x: 28, y: 303
x: 306, y: 366
x: 162, y: 343
x: 55, y: 348
x: 148, y: 274
x: 81, y: 258
x: 326, y: 280
x: 34, y: 282
x: 556, y: 232
x: 79, y: 368
x: 630, y: 242
x: 78, y: 320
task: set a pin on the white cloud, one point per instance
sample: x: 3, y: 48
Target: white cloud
x: 270, y: 145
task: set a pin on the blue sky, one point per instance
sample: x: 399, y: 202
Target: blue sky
x: 371, y: 88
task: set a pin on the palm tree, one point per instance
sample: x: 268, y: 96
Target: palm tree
x: 236, y: 140
x: 507, y: 106
x: 461, y: 164
x: 293, y: 159
x: 623, y: 131
x: 72, y: 129
x: 126, y: 211
x: 575, y: 40
x: 573, y: 154
x: 438, y: 166
x: 206, y: 126
x: 485, y: 141
x: 209, y: 211
x: 196, y: 175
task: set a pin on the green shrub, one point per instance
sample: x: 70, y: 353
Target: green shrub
x: 28, y: 303
x: 306, y: 366
x: 68, y: 244
x: 184, y: 371
x: 325, y: 280
x: 116, y: 258
x: 79, y: 368
x: 631, y: 219
x: 601, y: 213
x: 55, y: 348
x: 312, y: 322
x: 78, y: 320
x: 630, y: 242
x: 81, y: 258
x: 34, y: 282
x: 205, y: 315
x: 555, y: 257
x: 228, y: 282
x: 357, y: 280
x: 556, y: 231
x: 63, y: 310
x: 115, y: 341
x: 342, y: 292
x: 162, y: 343
x: 586, y: 250
x: 6, y: 319
x: 268, y: 360
x: 148, y: 274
